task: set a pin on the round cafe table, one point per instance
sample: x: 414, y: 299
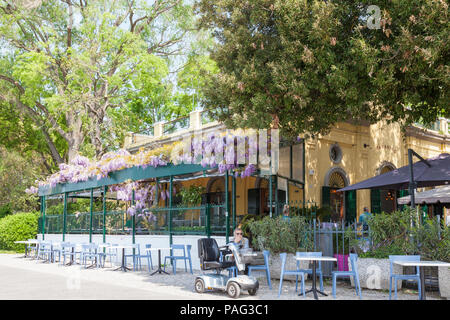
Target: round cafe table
x: 26, y: 243
x: 422, y: 265
x: 314, y: 260
x: 123, y: 267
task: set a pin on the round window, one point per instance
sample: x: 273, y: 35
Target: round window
x: 335, y: 153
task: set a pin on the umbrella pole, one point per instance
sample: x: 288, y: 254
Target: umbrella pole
x: 411, y: 178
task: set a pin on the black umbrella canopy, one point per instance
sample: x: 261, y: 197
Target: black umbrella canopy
x: 437, y: 174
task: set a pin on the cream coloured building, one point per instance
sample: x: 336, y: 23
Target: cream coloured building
x: 348, y: 154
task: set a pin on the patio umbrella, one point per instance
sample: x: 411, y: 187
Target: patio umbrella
x: 427, y: 173
x: 438, y: 195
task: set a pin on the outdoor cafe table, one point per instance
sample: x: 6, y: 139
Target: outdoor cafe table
x: 422, y: 265
x: 159, y: 270
x: 123, y: 267
x: 314, y: 260
x: 26, y: 243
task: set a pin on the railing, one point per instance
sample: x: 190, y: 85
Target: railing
x: 199, y: 220
x: 115, y: 223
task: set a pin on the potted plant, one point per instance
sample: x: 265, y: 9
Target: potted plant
x: 191, y: 196
x: 278, y: 235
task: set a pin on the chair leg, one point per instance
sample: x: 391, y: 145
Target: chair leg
x: 190, y: 265
x: 149, y: 264
x: 303, y: 285
x: 281, y: 285
x: 419, y: 287
x: 333, y: 290
x: 174, y: 266
x: 390, y: 288
x: 395, y: 286
x: 321, y: 282
x: 268, y: 278
x: 296, y: 283
x: 359, y: 287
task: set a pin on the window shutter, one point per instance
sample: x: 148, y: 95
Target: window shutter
x: 326, y: 196
x: 375, y: 201
x: 350, y: 205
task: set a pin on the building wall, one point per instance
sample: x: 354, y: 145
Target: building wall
x: 366, y: 149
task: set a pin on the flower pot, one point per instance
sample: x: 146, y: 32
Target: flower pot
x: 291, y: 264
x: 444, y: 282
x: 342, y: 261
x: 374, y: 273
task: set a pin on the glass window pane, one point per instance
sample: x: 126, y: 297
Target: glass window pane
x: 297, y: 162
x: 285, y: 167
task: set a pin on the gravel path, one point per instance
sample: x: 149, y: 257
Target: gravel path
x: 31, y: 279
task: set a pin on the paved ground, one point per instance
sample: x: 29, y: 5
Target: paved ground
x: 31, y: 279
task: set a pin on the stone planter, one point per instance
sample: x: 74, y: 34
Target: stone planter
x: 444, y: 282
x: 291, y: 264
x: 374, y: 273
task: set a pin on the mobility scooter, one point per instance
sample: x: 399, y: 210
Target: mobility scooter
x: 214, y: 258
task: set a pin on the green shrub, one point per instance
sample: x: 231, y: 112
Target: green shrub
x: 326, y: 213
x: 5, y: 210
x: 394, y: 234
x: 16, y: 227
x: 279, y: 235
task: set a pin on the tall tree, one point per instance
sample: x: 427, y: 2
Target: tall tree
x: 307, y: 64
x: 71, y: 66
x: 17, y: 173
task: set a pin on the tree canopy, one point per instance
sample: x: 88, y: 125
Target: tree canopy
x: 307, y: 64
x: 84, y: 72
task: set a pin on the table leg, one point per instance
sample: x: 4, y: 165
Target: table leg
x: 422, y: 283
x: 314, y: 283
x: 159, y: 270
x: 123, y: 267
x: 26, y: 251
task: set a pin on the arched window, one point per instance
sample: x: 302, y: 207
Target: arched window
x: 343, y: 204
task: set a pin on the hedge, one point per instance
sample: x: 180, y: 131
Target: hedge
x: 16, y: 227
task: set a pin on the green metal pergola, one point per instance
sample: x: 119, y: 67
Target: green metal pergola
x: 164, y: 172
x: 133, y: 174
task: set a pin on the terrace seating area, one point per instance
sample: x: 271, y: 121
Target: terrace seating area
x: 102, y: 255
x: 134, y: 257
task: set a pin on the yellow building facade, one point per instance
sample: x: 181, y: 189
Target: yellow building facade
x: 348, y: 154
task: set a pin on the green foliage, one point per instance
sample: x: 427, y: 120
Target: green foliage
x: 18, y: 227
x: 16, y: 175
x: 5, y: 210
x: 80, y: 205
x: 245, y: 222
x: 192, y: 195
x: 279, y: 235
x: 432, y: 240
x: 310, y: 64
x: 382, y: 252
x: 84, y: 80
x: 393, y: 233
x: 326, y: 214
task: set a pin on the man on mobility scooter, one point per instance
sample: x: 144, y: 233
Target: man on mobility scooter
x: 214, y: 258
